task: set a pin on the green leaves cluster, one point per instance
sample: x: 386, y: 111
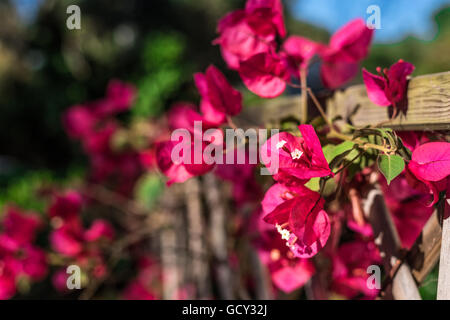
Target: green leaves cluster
x: 361, y: 153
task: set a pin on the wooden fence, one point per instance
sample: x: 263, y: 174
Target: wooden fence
x: 198, y: 240
x: 428, y: 109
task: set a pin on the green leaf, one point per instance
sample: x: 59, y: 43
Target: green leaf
x: 148, y: 189
x: 313, y: 184
x: 331, y: 151
x: 391, y: 166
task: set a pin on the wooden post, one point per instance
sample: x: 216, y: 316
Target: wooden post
x: 424, y: 254
x: 197, y: 247
x: 218, y: 236
x: 444, y: 264
x: 386, y: 238
x: 428, y: 107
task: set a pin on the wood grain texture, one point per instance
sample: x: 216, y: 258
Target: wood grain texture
x: 444, y: 263
x: 428, y: 105
x: 386, y: 238
x: 424, y: 254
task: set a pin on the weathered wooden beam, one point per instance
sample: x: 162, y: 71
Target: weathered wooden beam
x: 424, y: 254
x: 386, y: 238
x: 443, y: 292
x: 428, y: 105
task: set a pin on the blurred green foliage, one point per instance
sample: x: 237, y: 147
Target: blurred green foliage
x: 163, y: 73
x: 428, y: 290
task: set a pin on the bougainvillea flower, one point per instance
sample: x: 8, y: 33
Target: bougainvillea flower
x: 99, y: 229
x: 287, y: 272
x: 137, y: 291
x: 19, y: 257
x: 79, y: 121
x: 276, y: 9
x: 298, y: 215
x: 121, y: 95
x: 299, y: 51
x: 430, y: 163
x: 265, y: 74
x: 183, y: 116
x: 215, y: 90
x: 240, y: 40
x: 181, y: 170
x: 33, y: 262
x: 389, y: 87
x: 348, y: 46
x: 98, y: 142
x: 350, y: 269
x: 335, y: 73
x: 301, y: 158
x: 68, y: 239
x: 245, y: 188
x: 351, y: 42
x: 191, y: 160
x: 66, y: 205
x: 413, y: 139
x: 176, y: 172
x: 19, y: 228
x: 407, y: 203
x: 7, y: 281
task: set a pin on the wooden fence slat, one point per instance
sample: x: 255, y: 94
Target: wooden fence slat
x: 444, y: 264
x: 386, y: 238
x: 403, y: 285
x: 424, y: 254
x: 428, y: 105
x: 428, y: 109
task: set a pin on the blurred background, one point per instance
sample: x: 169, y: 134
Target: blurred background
x: 156, y: 45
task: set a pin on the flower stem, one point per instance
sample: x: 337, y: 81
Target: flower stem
x: 304, y: 96
x: 319, y: 107
x: 231, y: 123
x: 335, y: 134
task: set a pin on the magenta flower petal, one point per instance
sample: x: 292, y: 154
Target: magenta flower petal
x: 176, y: 172
x: 376, y: 87
x: 239, y: 40
x: 319, y: 164
x: 183, y: 116
x: 301, y: 49
x: 292, y: 277
x: 309, y: 222
x: 397, y: 75
x: 79, y: 121
x: 215, y: 89
x: 352, y: 41
x: 99, y: 229
x: 276, y: 9
x: 66, y: 241
x: 431, y: 161
x: 335, y: 73
x: 264, y: 74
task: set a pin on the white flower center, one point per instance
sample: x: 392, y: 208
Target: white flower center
x: 281, y: 144
x: 285, y: 234
x: 296, y: 154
